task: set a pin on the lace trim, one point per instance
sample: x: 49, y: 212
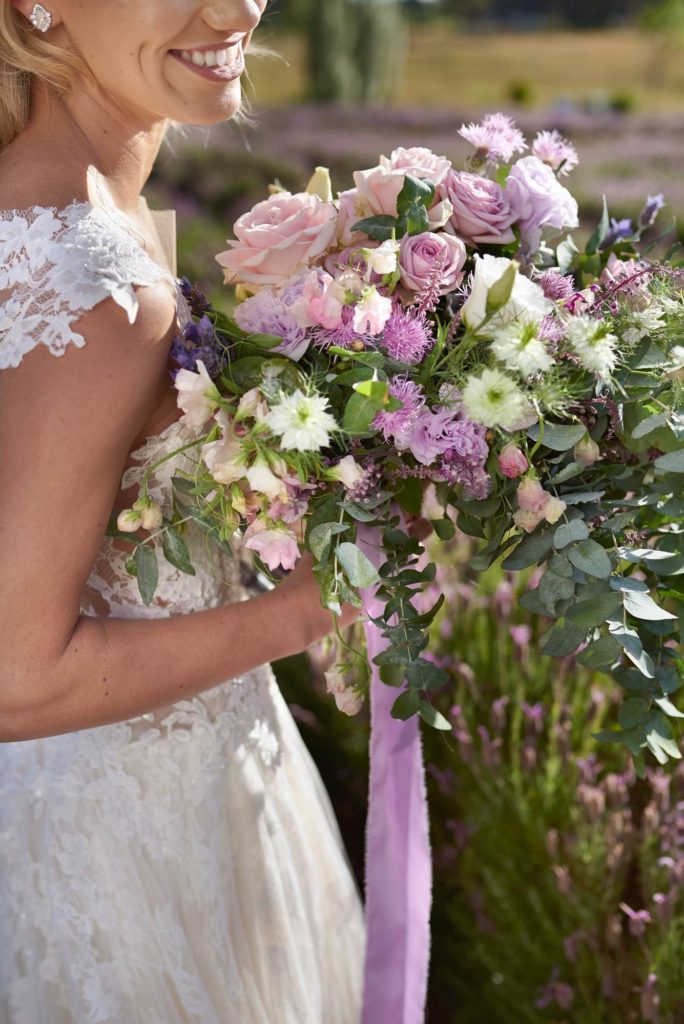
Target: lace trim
x: 57, y: 264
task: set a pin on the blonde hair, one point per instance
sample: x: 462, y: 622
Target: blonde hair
x: 26, y: 55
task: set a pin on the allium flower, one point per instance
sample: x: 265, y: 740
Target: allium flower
x: 407, y: 336
x: 593, y: 344
x: 198, y: 396
x: 519, y: 347
x: 552, y: 149
x: 494, y: 400
x: 397, y: 422
x: 301, y: 422
x: 497, y: 138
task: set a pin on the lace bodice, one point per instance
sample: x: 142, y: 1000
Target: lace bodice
x: 56, y: 265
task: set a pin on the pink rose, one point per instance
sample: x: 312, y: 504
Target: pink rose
x: 531, y: 495
x: 277, y: 236
x: 418, y: 255
x: 512, y: 462
x: 538, y: 200
x: 377, y: 190
x: 275, y: 547
x: 481, y: 211
x: 418, y: 162
x: 536, y: 504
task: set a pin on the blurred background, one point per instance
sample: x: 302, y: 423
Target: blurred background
x: 558, y: 891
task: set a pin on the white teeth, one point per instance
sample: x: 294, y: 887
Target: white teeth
x: 207, y: 58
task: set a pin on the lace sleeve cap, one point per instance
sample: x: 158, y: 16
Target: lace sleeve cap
x: 57, y: 265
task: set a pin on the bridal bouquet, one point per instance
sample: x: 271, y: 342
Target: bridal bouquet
x: 435, y: 326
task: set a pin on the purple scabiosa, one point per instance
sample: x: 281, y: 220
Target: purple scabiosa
x: 496, y: 139
x: 266, y: 313
x: 556, y: 286
x: 397, y: 423
x: 557, y: 152
x: 407, y: 336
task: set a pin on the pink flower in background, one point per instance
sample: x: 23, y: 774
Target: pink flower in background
x: 637, y: 920
x: 420, y: 254
x: 276, y: 547
x: 538, y: 200
x: 278, y: 235
x: 419, y: 162
x: 481, y: 213
x: 497, y: 138
x: 552, y: 149
x: 512, y: 462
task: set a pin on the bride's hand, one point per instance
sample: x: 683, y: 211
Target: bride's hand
x: 301, y: 585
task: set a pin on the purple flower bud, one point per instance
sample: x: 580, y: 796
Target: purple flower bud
x: 619, y: 230
x: 652, y: 208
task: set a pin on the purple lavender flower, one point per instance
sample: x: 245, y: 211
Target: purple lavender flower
x: 638, y: 919
x: 194, y: 296
x: 407, y: 337
x: 198, y: 342
x: 555, y: 993
x: 652, y: 208
x: 397, y: 422
x: 619, y: 229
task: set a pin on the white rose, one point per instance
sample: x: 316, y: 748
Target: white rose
x: 527, y: 301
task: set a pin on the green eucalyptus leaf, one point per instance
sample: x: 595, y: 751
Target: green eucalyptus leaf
x: 651, y: 423
x: 176, y: 551
x: 595, y: 611
x: 635, y: 711
x: 601, y: 653
x: 673, y: 462
x: 630, y: 641
x: 626, y: 583
x: 569, y: 532
x: 359, y: 569
x: 559, y: 437
x: 642, y: 606
x: 562, y: 640
x: 320, y: 537
x: 147, y: 571
x: 444, y: 528
x: 590, y: 557
x: 406, y: 705
x: 433, y: 717
x: 530, y: 551
x: 553, y: 589
x: 668, y: 708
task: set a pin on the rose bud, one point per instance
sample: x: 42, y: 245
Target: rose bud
x: 512, y: 462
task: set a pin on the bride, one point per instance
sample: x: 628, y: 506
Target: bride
x: 168, y: 853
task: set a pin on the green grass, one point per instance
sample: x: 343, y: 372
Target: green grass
x: 450, y: 68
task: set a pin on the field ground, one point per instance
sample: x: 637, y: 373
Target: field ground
x: 446, y: 67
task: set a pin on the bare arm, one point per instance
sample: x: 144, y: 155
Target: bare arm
x: 66, y: 427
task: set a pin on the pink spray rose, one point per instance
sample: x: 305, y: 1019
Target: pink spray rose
x: 538, y: 199
x: 419, y: 253
x: 482, y: 213
x: 418, y: 162
x: 275, y: 547
x: 535, y: 504
x: 512, y: 462
x: 276, y: 236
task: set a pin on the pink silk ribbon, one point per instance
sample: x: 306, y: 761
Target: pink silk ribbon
x: 398, y: 856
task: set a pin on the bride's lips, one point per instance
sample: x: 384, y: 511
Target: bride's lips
x: 216, y: 74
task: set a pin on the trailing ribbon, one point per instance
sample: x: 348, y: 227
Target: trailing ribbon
x: 398, y: 857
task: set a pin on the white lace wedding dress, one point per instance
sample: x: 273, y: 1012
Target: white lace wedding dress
x: 183, y: 867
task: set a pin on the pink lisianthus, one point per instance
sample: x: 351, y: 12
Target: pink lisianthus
x: 372, y: 312
x: 197, y: 395
x: 536, y: 504
x: 481, y: 211
x: 276, y: 237
x: 276, y: 547
x: 420, y: 254
x: 538, y: 200
x: 512, y: 462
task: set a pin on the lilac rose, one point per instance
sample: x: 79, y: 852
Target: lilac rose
x: 418, y: 255
x: 538, y: 200
x: 482, y: 213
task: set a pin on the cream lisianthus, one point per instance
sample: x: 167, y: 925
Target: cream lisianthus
x: 198, y: 396
x: 526, y: 300
x: 495, y: 400
x: 301, y: 422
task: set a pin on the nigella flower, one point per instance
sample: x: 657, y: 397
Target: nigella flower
x: 557, y: 152
x: 407, y: 336
x: 496, y: 139
x: 396, y: 423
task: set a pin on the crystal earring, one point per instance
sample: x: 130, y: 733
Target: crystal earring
x: 40, y: 18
